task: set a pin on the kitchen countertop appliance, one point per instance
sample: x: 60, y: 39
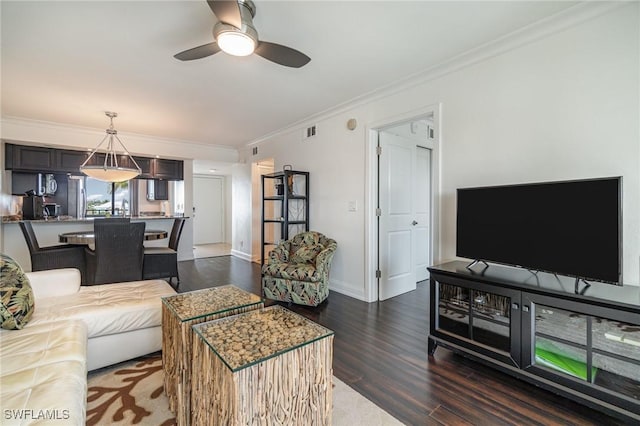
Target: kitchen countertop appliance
x: 33, y: 207
x: 51, y: 210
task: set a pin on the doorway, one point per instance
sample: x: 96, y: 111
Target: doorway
x: 209, y: 208
x: 403, y: 214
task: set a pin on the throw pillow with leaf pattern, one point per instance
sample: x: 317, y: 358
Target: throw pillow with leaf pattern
x: 16, y: 295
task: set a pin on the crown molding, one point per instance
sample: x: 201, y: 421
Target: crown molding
x: 96, y: 133
x: 543, y: 28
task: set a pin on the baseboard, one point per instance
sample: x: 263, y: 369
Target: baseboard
x: 242, y: 255
x: 347, y: 290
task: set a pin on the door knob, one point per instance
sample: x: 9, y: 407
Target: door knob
x: 414, y: 223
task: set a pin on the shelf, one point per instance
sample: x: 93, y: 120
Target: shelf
x: 289, y: 189
x: 291, y: 222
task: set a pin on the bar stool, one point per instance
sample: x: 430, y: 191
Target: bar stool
x: 162, y: 262
x: 119, y: 252
x: 53, y: 257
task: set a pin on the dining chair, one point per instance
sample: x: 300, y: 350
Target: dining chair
x: 53, y: 257
x: 118, y: 253
x: 162, y: 262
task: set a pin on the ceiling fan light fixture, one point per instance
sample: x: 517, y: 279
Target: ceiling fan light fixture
x: 235, y: 34
x: 236, y: 43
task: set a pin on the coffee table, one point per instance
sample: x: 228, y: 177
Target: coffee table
x: 267, y: 366
x: 179, y: 313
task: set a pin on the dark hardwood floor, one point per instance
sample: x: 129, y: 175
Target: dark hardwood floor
x: 380, y: 350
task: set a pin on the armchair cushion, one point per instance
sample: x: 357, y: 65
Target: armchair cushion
x: 306, y: 254
x: 290, y: 271
x: 16, y: 295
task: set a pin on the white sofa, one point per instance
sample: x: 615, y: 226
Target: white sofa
x: 43, y: 367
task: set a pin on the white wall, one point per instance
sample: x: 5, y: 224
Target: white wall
x: 185, y: 249
x: 564, y: 106
x: 228, y: 208
x: 241, y: 229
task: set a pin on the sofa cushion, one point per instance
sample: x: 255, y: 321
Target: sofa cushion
x: 44, y: 373
x: 54, y: 282
x: 16, y: 295
x: 109, y: 308
x: 306, y: 254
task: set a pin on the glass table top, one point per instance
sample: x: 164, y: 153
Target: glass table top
x: 215, y: 300
x: 246, y: 339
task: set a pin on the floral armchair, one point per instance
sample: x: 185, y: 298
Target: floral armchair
x: 297, y: 270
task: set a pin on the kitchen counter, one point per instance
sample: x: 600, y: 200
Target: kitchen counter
x: 71, y: 219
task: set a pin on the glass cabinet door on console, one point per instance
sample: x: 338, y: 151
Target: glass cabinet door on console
x: 593, y: 349
x: 480, y: 318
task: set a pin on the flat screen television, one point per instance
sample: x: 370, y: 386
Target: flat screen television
x: 568, y: 228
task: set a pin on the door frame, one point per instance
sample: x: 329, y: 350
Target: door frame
x: 371, y: 191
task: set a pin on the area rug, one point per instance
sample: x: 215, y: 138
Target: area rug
x: 131, y: 393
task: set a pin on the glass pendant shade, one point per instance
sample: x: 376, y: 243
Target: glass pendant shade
x: 110, y: 174
x: 110, y: 170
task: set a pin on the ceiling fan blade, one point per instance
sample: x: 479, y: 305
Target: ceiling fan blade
x: 282, y: 55
x: 227, y: 11
x: 198, y: 52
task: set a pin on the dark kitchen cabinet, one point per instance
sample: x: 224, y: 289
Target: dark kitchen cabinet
x: 8, y: 156
x: 168, y: 169
x: 31, y: 158
x: 157, y: 190
x: 122, y: 160
x: 162, y: 189
x: 146, y: 165
x: 70, y: 161
x: 51, y: 160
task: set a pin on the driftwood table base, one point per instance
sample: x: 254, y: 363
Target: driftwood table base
x: 274, y: 367
x: 179, y: 313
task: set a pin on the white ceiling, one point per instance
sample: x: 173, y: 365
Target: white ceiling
x: 68, y: 62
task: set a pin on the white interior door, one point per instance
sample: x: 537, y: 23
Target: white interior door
x: 422, y: 213
x: 396, y: 239
x: 208, y: 201
x: 405, y: 214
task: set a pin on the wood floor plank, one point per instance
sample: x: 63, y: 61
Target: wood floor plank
x: 380, y: 350
x: 446, y: 417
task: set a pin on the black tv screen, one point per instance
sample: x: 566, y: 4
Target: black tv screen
x: 568, y: 228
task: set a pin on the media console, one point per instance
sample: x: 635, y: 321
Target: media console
x: 583, y: 345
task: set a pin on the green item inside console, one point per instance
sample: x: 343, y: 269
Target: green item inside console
x: 564, y: 364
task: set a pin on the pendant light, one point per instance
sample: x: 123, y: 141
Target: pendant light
x: 110, y: 170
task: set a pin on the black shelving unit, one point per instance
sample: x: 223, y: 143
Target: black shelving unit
x: 285, y: 207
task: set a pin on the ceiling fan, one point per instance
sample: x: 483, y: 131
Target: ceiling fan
x: 235, y: 34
